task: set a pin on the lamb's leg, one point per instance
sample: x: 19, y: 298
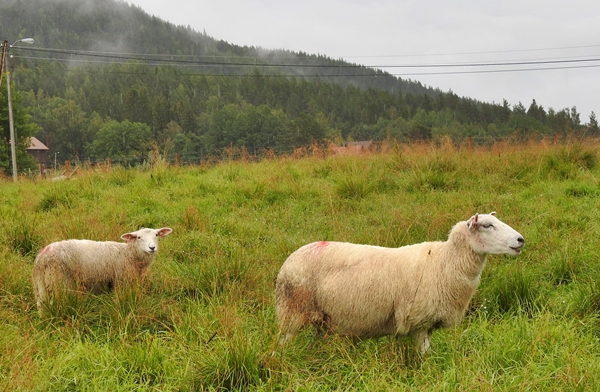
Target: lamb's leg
x: 45, y: 282
x: 284, y: 337
x: 40, y: 298
x: 287, y: 331
x: 289, y: 327
x: 294, y: 307
x: 422, y: 339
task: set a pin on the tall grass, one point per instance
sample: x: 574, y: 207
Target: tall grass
x: 204, y: 319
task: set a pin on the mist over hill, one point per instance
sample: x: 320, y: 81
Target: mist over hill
x: 116, y: 26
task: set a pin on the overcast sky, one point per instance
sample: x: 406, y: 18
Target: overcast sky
x: 395, y: 33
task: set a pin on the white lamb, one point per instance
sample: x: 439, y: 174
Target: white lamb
x: 369, y: 291
x: 93, y: 266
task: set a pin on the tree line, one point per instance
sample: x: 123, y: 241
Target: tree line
x: 124, y: 110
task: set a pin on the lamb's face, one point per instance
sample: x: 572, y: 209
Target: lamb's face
x: 146, y: 240
x: 489, y: 235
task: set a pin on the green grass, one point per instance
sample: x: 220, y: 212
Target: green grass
x: 204, y: 320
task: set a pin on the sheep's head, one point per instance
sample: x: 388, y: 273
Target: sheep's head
x: 146, y: 240
x: 489, y: 235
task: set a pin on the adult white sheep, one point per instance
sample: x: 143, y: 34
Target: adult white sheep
x: 370, y: 291
x: 93, y: 266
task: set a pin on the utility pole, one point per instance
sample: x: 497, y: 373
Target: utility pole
x: 4, y: 52
x: 13, y: 139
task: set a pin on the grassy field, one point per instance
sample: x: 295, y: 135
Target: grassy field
x: 205, y: 320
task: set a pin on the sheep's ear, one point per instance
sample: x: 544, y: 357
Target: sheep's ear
x: 493, y: 213
x: 472, y: 223
x: 165, y: 231
x: 129, y: 237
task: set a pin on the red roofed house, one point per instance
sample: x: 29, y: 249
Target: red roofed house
x: 38, y: 150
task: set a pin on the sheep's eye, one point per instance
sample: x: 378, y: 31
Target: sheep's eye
x: 487, y: 225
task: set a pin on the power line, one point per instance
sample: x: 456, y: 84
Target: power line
x: 497, y: 70
x: 385, y: 73
x: 482, y: 52
x: 312, y: 56
x: 159, y: 60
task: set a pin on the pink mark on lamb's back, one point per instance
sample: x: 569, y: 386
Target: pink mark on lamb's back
x: 46, y: 249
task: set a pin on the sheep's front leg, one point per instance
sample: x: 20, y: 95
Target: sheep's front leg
x: 423, y: 340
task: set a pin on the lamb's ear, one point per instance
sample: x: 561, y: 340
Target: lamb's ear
x: 165, y: 231
x: 493, y: 213
x: 472, y: 223
x: 129, y: 237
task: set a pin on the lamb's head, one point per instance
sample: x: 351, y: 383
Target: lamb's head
x: 146, y: 240
x: 489, y: 235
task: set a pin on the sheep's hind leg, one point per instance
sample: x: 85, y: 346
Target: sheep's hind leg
x: 423, y: 340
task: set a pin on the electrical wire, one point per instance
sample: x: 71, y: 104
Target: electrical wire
x: 158, y: 59
x: 385, y: 73
x: 191, y: 61
x: 483, y: 52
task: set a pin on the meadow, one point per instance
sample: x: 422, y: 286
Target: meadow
x: 205, y: 318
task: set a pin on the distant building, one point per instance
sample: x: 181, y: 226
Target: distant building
x: 38, y: 150
x: 353, y: 147
x: 360, y: 146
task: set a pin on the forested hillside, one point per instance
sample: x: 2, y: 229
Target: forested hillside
x: 106, y: 80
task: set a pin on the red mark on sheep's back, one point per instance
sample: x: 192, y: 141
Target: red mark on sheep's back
x: 319, y: 246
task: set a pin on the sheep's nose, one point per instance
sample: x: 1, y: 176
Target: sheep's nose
x: 152, y: 248
x: 521, y: 240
